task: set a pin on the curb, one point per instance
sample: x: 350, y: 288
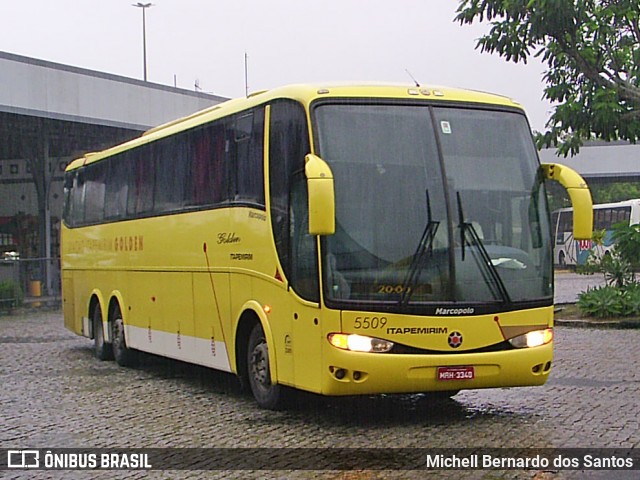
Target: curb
x: 619, y: 324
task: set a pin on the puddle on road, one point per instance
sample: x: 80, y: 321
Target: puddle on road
x: 382, y: 411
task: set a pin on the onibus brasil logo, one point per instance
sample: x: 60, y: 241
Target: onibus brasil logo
x: 68, y: 459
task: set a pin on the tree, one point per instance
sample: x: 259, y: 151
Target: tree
x: 592, y: 50
x: 614, y: 192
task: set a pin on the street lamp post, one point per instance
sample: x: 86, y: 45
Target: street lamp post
x: 144, y: 7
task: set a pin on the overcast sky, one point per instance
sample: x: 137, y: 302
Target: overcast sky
x: 287, y: 41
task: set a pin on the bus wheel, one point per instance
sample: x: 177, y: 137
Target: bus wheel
x: 124, y: 356
x: 103, y: 351
x: 267, y: 394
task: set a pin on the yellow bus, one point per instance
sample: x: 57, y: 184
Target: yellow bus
x: 337, y: 239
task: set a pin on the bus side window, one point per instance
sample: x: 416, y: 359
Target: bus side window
x: 304, y: 257
x: 77, y: 209
x: 221, y: 163
x: 173, y: 164
x: 96, y: 175
x: 67, y: 213
x: 202, y: 191
x: 140, y: 198
x: 211, y: 166
x: 288, y: 145
x: 248, y: 138
x: 565, y: 225
x: 117, y: 188
x: 623, y: 215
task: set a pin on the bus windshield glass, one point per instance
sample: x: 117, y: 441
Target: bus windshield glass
x: 433, y: 205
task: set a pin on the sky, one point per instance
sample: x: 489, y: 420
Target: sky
x: 204, y: 42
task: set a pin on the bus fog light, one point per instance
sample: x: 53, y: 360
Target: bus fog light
x: 535, y: 338
x: 359, y: 343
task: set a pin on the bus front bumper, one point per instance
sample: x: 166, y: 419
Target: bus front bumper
x: 354, y: 373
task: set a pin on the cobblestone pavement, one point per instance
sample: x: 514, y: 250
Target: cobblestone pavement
x: 55, y: 394
x: 569, y: 284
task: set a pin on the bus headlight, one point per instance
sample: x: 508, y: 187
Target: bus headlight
x: 359, y: 343
x: 532, y: 339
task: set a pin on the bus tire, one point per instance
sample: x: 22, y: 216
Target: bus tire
x: 102, y: 350
x: 124, y: 356
x: 561, y: 259
x: 267, y: 394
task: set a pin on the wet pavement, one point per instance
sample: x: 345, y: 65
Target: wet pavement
x: 56, y: 394
x: 569, y: 284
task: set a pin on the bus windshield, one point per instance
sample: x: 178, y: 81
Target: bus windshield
x: 434, y: 204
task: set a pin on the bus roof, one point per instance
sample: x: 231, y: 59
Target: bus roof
x: 623, y: 203
x: 304, y: 94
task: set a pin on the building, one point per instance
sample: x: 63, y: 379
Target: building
x: 601, y: 162
x: 50, y: 114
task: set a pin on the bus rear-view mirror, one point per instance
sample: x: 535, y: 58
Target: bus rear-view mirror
x: 322, y: 204
x: 580, y: 197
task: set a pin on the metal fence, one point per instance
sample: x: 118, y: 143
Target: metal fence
x: 34, y: 281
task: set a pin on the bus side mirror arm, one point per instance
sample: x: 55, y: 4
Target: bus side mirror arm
x: 322, y: 201
x: 578, y: 193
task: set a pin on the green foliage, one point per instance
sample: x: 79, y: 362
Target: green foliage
x: 597, y: 237
x: 627, y: 240
x: 601, y: 302
x: 621, y: 295
x: 590, y: 267
x: 617, y: 271
x: 617, y: 265
x: 608, y: 193
x: 614, y: 192
x: 610, y: 301
x: 592, y: 51
x: 631, y: 300
x: 11, y: 295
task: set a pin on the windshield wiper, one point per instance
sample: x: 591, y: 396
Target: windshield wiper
x: 469, y: 235
x: 424, y: 246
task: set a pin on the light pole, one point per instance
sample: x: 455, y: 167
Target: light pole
x: 144, y: 7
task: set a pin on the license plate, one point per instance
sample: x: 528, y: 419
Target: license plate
x: 456, y: 373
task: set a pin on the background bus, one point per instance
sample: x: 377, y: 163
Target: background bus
x: 568, y: 251
x: 343, y: 240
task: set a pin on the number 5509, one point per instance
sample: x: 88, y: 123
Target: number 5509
x: 369, y: 322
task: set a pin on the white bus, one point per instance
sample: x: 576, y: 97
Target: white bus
x: 568, y: 251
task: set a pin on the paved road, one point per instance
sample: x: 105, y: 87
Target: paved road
x: 569, y: 284
x: 54, y: 393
